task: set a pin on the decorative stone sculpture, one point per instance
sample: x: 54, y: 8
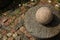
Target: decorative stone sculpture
x: 34, y: 21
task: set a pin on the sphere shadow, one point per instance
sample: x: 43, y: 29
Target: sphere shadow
x: 55, y: 21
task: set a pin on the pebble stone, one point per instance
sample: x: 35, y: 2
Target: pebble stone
x: 14, y: 35
x: 17, y: 38
x: 10, y: 38
x: 56, y: 5
x: 4, y: 37
x: 19, y: 5
x: 49, y: 1
x: 9, y: 34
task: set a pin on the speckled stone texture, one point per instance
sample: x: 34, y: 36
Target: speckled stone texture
x: 39, y: 30
x: 44, y: 15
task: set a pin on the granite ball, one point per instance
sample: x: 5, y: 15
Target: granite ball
x: 43, y: 15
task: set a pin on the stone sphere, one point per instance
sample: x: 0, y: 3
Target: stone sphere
x: 43, y: 15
